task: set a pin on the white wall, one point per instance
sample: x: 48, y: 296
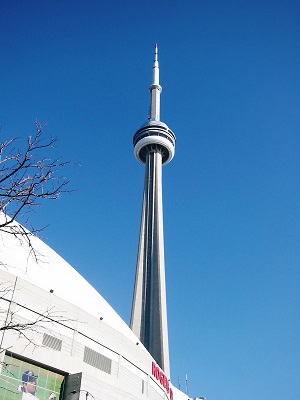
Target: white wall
x: 131, y: 365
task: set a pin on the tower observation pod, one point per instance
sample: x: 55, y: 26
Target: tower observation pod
x: 154, y: 146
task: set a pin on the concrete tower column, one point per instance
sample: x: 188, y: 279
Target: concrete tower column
x: 154, y: 146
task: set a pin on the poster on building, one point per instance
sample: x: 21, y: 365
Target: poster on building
x: 22, y: 380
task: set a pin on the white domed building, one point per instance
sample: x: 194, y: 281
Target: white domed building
x: 78, y: 347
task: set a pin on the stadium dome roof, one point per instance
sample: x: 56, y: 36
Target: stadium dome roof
x: 52, y: 272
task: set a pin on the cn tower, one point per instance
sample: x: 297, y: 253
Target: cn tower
x: 154, y: 146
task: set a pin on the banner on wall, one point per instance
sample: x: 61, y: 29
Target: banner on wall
x: 23, y: 380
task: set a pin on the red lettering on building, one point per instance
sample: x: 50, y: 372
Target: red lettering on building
x: 161, y: 377
x: 153, y: 369
x: 157, y: 373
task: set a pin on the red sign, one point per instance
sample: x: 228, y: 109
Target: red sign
x: 161, y: 377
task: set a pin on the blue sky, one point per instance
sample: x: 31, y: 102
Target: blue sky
x: 230, y: 77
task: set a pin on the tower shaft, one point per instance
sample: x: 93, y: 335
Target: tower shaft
x: 149, y: 311
x: 154, y: 146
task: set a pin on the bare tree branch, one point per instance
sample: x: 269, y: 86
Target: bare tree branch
x: 27, y: 178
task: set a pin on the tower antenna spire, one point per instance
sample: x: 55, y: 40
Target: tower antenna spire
x: 155, y: 89
x: 156, y: 67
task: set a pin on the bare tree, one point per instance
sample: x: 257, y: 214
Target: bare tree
x: 27, y: 178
